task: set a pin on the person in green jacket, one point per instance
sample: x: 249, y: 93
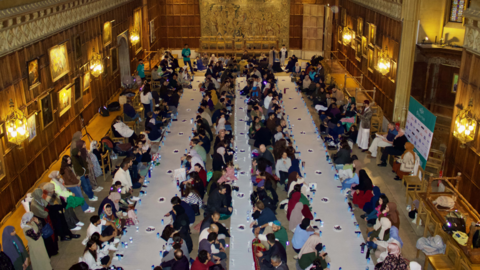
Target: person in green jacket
x: 186, y: 57
x: 312, y: 255
x: 141, y: 69
x: 277, y: 229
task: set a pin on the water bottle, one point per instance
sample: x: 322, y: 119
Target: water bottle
x: 158, y: 235
x: 140, y: 202
x: 314, y: 214
x: 162, y: 221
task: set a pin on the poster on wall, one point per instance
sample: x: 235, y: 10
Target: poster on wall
x: 64, y: 100
x: 58, y: 61
x: 419, y: 129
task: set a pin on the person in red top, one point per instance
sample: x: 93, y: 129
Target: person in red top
x: 202, y: 262
x: 202, y: 173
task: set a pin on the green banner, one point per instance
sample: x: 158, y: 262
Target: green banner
x: 419, y: 129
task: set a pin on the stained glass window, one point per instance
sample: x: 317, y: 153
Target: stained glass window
x: 456, y: 12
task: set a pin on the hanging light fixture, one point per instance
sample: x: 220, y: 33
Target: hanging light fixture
x: 383, y: 65
x: 347, y: 36
x: 465, y: 124
x: 134, y: 36
x: 96, y: 64
x: 16, y: 125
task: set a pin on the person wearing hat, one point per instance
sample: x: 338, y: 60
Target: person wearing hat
x: 364, y: 132
x: 277, y: 229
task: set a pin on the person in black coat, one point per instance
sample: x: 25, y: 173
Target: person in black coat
x: 217, y: 201
x: 180, y: 262
x: 182, y: 224
x: 343, y: 155
x: 214, y: 219
x: 276, y: 249
x: 262, y: 136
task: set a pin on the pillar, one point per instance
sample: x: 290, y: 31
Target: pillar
x: 406, y: 59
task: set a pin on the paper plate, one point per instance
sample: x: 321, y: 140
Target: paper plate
x: 241, y: 120
x: 188, y: 110
x: 161, y: 200
x: 312, y: 186
x: 318, y: 172
x: 183, y: 121
x: 242, y: 150
x: 240, y: 195
x: 290, y: 98
x: 299, y: 119
x: 176, y: 151
x: 310, y: 150
x: 337, y: 228
x: 325, y: 200
x: 169, y: 172
x: 241, y: 133
x: 240, y: 108
x: 192, y: 99
x: 241, y: 227
x: 242, y: 172
x: 150, y: 229
x: 302, y: 133
x: 294, y: 108
x: 180, y: 134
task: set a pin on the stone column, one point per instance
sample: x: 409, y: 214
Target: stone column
x: 406, y: 60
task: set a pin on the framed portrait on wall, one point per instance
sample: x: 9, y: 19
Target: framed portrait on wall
x: 77, y: 85
x: 372, y: 34
x: 371, y: 60
x: 107, y: 34
x: 114, y: 59
x: 344, y: 17
x: 339, y: 34
x: 364, y: 47
x: 58, y: 61
x: 64, y: 100
x: 32, y: 127
x: 359, y: 26
x: 46, y: 110
x: 86, y: 81
x: 358, y: 55
x: 77, y: 44
x: 33, y: 70
x: 455, y: 83
x: 137, y: 24
x: 152, y: 31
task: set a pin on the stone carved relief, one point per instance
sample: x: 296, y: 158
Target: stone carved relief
x: 391, y: 8
x: 20, y: 26
x: 472, y: 33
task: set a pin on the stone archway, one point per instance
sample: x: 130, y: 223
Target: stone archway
x: 124, y: 57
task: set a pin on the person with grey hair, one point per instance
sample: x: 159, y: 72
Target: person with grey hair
x: 383, y: 141
x: 276, y: 249
x: 397, y: 148
x: 277, y: 263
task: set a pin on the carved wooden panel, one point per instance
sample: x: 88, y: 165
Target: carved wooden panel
x: 313, y: 27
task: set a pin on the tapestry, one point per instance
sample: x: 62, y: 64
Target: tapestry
x: 243, y: 18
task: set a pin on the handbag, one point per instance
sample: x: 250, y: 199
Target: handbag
x: 455, y: 223
x: 47, y: 231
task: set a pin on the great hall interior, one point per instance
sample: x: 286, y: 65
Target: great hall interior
x: 379, y: 96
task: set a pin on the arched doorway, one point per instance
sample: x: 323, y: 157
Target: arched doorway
x: 124, y: 56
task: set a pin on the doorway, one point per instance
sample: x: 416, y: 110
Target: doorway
x: 124, y: 57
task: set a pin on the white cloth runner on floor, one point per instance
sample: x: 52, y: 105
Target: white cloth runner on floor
x: 240, y: 242
x: 145, y: 249
x: 343, y: 247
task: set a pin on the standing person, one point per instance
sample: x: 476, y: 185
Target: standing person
x: 80, y: 169
x: 364, y: 132
x: 141, y: 69
x: 33, y: 233
x: 15, y: 250
x: 271, y: 59
x: 283, y: 55
x: 82, y: 147
x: 146, y: 99
x: 186, y: 57
x: 73, y: 184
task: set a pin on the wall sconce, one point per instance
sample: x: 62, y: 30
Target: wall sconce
x: 134, y: 37
x: 347, y: 36
x: 383, y: 64
x: 16, y: 125
x: 465, y: 124
x: 96, y: 64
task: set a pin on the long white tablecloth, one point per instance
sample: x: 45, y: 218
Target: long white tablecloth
x: 145, y: 249
x: 343, y: 246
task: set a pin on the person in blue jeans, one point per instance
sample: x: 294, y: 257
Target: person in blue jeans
x: 81, y: 170
x: 72, y: 183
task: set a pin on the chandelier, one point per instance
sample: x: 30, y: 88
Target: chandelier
x: 16, y: 125
x: 96, y: 64
x: 465, y: 124
x: 135, y: 36
x: 383, y: 65
x: 347, y: 36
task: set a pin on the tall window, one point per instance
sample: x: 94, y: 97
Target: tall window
x: 456, y: 11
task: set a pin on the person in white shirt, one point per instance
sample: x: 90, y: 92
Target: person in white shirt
x: 96, y: 227
x: 146, y: 99
x: 123, y: 176
x: 93, y: 258
x: 267, y: 100
x: 283, y: 55
x: 123, y: 130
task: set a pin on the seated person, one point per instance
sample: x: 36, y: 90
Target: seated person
x: 277, y: 229
x: 351, y: 135
x: 123, y: 175
x: 213, y: 246
x: 153, y: 132
x: 93, y: 257
x: 217, y: 201
x: 397, y: 148
x: 200, y: 65
x: 383, y: 141
x: 276, y: 249
x: 172, y: 241
x: 120, y: 129
x: 203, y: 261
x: 262, y: 217
x: 214, y: 219
x: 301, y: 234
x: 173, y: 83
x: 188, y: 210
x: 156, y: 74
x: 129, y: 112
x: 179, y: 261
x: 310, y: 257
x: 335, y: 131
x: 262, y: 136
x: 106, y: 229
x: 343, y: 155
x: 109, y: 215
